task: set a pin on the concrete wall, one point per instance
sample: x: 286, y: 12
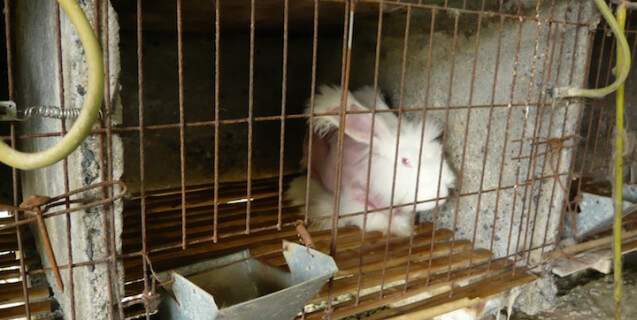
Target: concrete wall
x: 37, y: 84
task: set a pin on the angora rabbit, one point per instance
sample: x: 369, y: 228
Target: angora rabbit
x: 358, y: 133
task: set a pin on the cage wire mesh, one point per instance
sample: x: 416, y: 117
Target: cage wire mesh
x: 205, y: 121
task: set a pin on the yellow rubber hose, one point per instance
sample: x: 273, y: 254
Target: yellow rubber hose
x: 622, y: 51
x: 90, y: 109
x: 619, y: 173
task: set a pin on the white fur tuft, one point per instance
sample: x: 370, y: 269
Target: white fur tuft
x: 321, y: 200
x: 328, y: 98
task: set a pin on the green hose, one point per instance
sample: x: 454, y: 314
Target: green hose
x: 623, y: 51
x: 619, y: 175
x: 90, y: 109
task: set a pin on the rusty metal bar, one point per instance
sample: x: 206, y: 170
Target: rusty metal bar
x: 532, y: 163
x: 444, y: 140
x: 597, y: 80
x: 193, y: 124
x: 543, y: 99
x: 518, y: 16
x: 565, y: 190
x: 284, y: 89
x: 250, y: 118
x: 102, y: 12
x: 348, y: 13
x: 65, y: 168
x: 426, y: 87
x: 182, y: 139
x: 506, y: 134
x: 371, y: 148
x: 508, y: 126
x: 466, y: 136
x: 396, y: 149
x: 217, y: 6
x: 572, y: 168
x: 310, y: 130
x: 142, y: 149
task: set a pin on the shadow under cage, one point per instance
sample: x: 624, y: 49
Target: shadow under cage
x: 206, y: 121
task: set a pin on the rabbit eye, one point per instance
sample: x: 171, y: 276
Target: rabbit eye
x: 406, y: 162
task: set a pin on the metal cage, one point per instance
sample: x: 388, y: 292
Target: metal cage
x: 204, y: 121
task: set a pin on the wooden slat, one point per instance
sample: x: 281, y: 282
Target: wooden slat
x: 38, y: 308
x: 443, y: 303
x: 417, y: 270
x: 9, y: 274
x: 16, y: 295
x: 437, y: 283
x: 430, y: 263
x: 16, y: 262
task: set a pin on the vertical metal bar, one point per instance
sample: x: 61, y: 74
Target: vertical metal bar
x: 142, y: 149
x: 311, y: 119
x: 537, y: 129
x: 542, y: 99
x: 506, y: 134
x: 112, y: 247
x: 607, y: 144
x: 565, y: 191
x: 284, y: 89
x: 427, y: 86
x: 182, y: 138
x: 345, y: 72
x: 597, y: 83
x: 582, y: 107
x: 396, y: 149
x: 369, y: 155
x: 413, y: 210
x: 508, y: 126
x: 587, y: 140
x: 104, y: 176
x: 15, y: 175
x: 250, y: 119
x: 215, y: 233
x: 444, y: 137
x: 466, y: 136
x: 65, y: 162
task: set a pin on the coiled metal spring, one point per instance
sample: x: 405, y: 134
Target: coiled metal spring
x: 53, y: 112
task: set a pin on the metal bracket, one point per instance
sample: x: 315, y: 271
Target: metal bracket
x: 8, y: 111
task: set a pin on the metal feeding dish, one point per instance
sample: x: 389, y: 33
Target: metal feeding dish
x: 238, y: 286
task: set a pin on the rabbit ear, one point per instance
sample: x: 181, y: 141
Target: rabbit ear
x: 358, y: 126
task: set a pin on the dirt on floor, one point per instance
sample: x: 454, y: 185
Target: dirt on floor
x: 589, y: 296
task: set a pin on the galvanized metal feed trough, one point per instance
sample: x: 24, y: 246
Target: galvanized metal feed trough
x: 240, y: 287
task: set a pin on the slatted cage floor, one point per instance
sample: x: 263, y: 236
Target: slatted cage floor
x: 436, y: 258
x: 12, y: 301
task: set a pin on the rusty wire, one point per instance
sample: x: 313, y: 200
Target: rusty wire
x: 515, y: 251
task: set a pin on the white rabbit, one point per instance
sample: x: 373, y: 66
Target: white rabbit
x: 358, y: 133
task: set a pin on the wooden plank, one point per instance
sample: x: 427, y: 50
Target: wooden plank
x: 174, y: 221
x: 16, y: 262
x: 9, y: 274
x: 16, y: 295
x: 436, y: 284
x: 600, y: 260
x: 38, y: 308
x: 152, y: 195
x: 417, y: 270
x: 462, y: 297
x: 155, y: 240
